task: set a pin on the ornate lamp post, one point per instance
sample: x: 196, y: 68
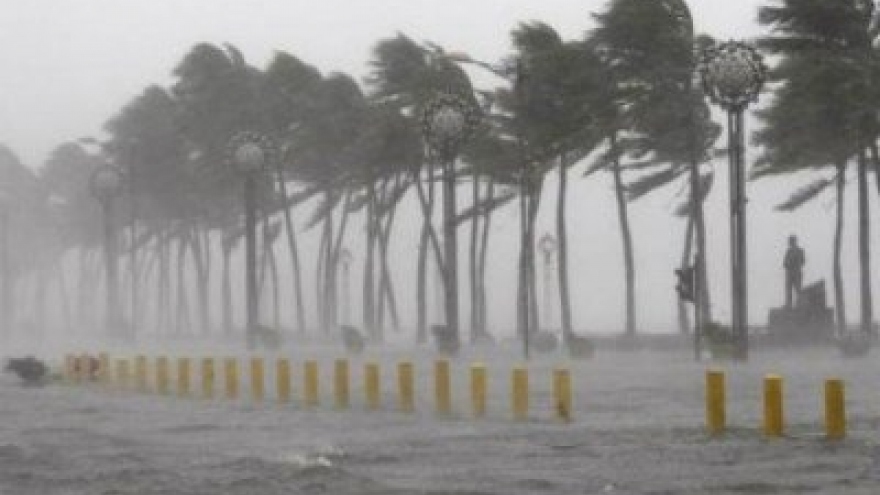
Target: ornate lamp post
x: 345, y: 258
x: 548, y: 247
x: 250, y: 153
x: 447, y: 122
x: 106, y: 185
x: 733, y: 74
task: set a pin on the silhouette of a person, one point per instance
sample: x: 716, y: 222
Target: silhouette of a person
x: 794, y: 270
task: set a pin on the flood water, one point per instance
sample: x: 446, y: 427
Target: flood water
x: 638, y: 428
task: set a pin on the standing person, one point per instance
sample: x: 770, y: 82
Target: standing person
x: 794, y: 270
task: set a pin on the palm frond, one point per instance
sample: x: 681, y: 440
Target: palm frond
x: 804, y: 194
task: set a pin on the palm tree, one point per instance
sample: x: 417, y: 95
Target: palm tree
x: 823, y: 113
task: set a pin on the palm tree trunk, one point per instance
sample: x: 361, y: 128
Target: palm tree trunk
x: 484, y: 249
x: 269, y: 251
x: 294, y: 251
x: 369, y: 283
x: 864, y: 245
x: 226, y: 289
x: 534, y: 204
x: 422, y: 287
x: 684, y: 321
x: 562, y: 240
x: 388, y: 284
x: 472, y: 259
x: 839, y: 301
x: 201, y: 280
x: 426, y: 202
x: 628, y: 257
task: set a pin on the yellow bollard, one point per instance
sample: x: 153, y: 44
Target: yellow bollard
x: 310, y: 384
x: 478, y: 389
x: 520, y: 393
x: 340, y: 382
x: 208, y: 378
x: 140, y: 373
x: 162, y: 375
x: 230, y: 378
x: 103, y: 375
x: 257, y: 379
x: 122, y: 373
x: 774, y: 422
x: 562, y: 393
x: 835, y: 409
x: 282, y: 380
x: 442, y: 386
x: 183, y: 377
x: 405, y: 386
x: 372, y: 385
x: 716, y: 402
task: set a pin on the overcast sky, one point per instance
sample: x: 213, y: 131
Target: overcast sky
x: 66, y: 66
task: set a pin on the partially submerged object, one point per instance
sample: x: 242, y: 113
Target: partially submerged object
x: 30, y: 370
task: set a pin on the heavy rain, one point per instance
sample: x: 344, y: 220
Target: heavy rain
x: 496, y: 247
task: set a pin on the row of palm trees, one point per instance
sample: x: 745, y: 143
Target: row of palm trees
x: 622, y: 98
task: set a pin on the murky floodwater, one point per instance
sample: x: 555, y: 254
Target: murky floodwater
x: 638, y: 429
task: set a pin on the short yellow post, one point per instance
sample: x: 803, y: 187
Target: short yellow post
x: 257, y: 379
x: 103, y: 367
x: 774, y: 422
x: 140, y: 373
x: 162, y: 375
x: 716, y: 402
x: 183, y: 377
x: 835, y: 409
x: 405, y: 386
x: 372, y: 385
x: 208, y: 378
x: 122, y: 373
x: 562, y: 393
x: 478, y: 389
x: 310, y: 384
x: 442, y: 387
x: 282, y: 380
x: 230, y: 378
x: 340, y: 383
x: 520, y: 393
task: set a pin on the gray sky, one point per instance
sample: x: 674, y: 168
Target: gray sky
x: 68, y: 66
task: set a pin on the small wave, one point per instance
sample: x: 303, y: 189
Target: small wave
x: 325, y: 456
x: 306, y: 461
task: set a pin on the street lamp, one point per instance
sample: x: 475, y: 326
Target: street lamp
x: 548, y: 247
x: 733, y: 74
x: 250, y: 153
x: 106, y: 186
x: 447, y: 121
x: 345, y: 258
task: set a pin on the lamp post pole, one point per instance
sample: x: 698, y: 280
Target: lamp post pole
x: 447, y: 121
x: 106, y: 184
x: 548, y: 247
x: 345, y: 258
x: 733, y: 75
x: 249, y: 153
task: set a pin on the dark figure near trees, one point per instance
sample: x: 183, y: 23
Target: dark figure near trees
x: 794, y: 271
